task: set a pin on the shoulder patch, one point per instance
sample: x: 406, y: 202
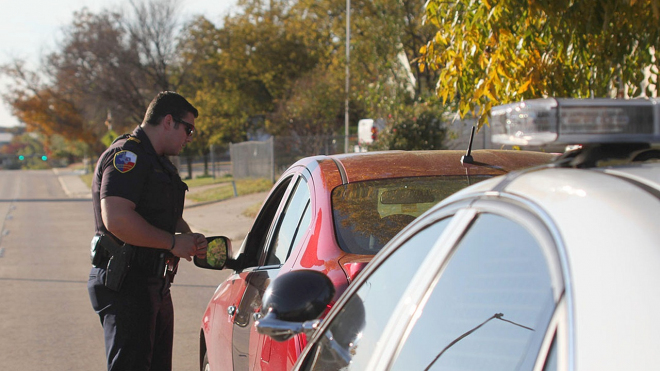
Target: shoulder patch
x: 134, y: 139
x: 124, y: 161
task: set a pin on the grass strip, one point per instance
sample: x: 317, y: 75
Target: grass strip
x: 207, y: 180
x: 225, y: 191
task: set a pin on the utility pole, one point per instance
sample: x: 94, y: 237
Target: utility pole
x: 348, y: 54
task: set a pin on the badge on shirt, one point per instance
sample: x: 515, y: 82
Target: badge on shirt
x: 124, y: 161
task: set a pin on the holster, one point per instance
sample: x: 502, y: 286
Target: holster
x: 118, y: 257
x: 98, y: 255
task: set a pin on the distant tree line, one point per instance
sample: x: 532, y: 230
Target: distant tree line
x: 278, y: 66
x: 275, y: 67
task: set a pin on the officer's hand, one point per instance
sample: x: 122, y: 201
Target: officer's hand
x: 186, y: 245
x: 201, y: 244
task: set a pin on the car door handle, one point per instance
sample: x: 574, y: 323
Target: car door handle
x: 231, y: 310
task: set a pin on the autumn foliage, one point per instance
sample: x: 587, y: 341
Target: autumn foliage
x: 492, y: 52
x: 280, y: 67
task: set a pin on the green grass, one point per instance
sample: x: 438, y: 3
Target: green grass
x: 199, y: 181
x: 206, y: 180
x: 252, y: 211
x: 225, y: 191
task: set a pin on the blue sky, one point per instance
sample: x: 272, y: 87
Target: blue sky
x: 32, y: 28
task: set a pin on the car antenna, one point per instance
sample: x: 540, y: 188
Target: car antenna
x: 468, y: 157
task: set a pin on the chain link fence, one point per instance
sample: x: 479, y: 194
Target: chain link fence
x: 261, y: 159
x: 253, y: 159
x: 270, y: 158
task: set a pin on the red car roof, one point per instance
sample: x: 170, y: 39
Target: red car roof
x: 395, y: 164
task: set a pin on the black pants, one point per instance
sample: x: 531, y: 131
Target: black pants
x: 138, y: 321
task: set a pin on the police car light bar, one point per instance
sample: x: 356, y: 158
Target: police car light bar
x: 576, y: 121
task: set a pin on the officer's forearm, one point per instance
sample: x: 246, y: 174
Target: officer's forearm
x: 121, y: 219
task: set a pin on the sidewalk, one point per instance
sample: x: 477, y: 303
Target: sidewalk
x: 71, y: 183
x: 223, y: 218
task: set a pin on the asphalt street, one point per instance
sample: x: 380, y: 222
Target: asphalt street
x: 47, y: 319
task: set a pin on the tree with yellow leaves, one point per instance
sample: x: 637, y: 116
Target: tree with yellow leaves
x: 492, y: 52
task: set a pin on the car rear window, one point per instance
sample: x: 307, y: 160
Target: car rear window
x: 368, y: 214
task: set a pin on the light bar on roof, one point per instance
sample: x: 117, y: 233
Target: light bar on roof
x: 576, y: 121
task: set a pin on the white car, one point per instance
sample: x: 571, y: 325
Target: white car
x: 550, y: 268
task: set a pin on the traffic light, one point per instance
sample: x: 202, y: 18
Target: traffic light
x: 44, y: 158
x: 374, y: 133
x: 21, y: 158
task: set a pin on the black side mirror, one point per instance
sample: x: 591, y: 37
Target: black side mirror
x: 291, y: 299
x: 217, y: 250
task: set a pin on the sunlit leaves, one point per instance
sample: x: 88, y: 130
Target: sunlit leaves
x: 493, y: 52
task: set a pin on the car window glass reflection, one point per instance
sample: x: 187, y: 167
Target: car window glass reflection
x: 295, y: 220
x: 356, y: 329
x: 368, y: 214
x: 489, y: 309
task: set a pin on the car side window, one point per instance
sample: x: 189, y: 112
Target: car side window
x: 351, y: 338
x: 256, y: 239
x: 490, y: 307
x: 294, y: 220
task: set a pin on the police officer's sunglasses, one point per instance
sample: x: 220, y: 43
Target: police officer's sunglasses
x: 189, y: 128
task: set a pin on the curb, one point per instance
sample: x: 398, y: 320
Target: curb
x: 192, y: 204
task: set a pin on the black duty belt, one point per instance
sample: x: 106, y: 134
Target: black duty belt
x: 148, y: 262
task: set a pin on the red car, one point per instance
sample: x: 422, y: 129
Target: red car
x: 331, y: 214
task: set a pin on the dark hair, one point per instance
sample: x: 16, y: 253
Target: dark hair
x: 168, y: 103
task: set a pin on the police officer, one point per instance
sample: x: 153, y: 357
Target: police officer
x: 138, y: 201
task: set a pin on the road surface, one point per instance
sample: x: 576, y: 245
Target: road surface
x: 46, y: 320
